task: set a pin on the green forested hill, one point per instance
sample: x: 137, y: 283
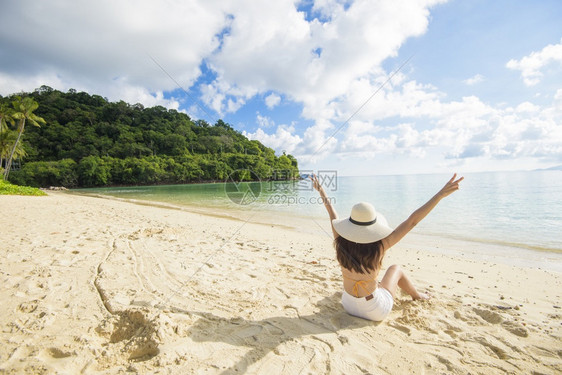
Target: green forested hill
x: 89, y: 141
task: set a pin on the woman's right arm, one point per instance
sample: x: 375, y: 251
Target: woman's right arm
x: 451, y: 186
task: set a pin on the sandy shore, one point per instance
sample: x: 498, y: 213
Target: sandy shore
x: 98, y: 286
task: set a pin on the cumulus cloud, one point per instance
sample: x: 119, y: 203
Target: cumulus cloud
x: 327, y: 60
x: 474, y: 80
x: 313, y: 62
x: 459, y: 129
x: 527, y: 107
x: 283, y: 140
x: 130, y: 49
x: 466, y: 129
x: 531, y: 66
x: 272, y: 100
x: 106, y: 47
x: 315, y: 144
x: 264, y: 121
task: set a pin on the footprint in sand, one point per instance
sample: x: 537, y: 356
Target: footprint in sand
x: 28, y: 307
x: 515, y: 328
x: 495, y: 318
x: 132, y: 333
x: 499, y: 352
x: 489, y: 316
x: 57, y: 353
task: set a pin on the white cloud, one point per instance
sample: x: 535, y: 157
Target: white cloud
x: 474, y: 80
x: 361, y: 127
x: 531, y: 65
x: 12, y: 83
x: 461, y: 130
x: 328, y: 8
x: 527, y: 107
x: 108, y: 48
x: 105, y: 47
x: 329, y: 62
x: 263, y: 51
x: 272, y: 100
x: 318, y: 141
x: 117, y: 91
x: 283, y: 140
x: 558, y: 97
x: 264, y: 121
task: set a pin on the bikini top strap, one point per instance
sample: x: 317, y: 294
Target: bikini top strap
x: 359, y: 283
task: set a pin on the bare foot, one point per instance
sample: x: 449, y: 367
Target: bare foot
x: 422, y: 296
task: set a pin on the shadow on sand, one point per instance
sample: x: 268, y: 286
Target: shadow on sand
x: 267, y: 335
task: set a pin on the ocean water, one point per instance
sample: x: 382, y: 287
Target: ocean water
x: 521, y: 209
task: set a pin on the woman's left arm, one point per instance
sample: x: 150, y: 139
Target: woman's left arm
x: 327, y: 203
x: 450, y: 187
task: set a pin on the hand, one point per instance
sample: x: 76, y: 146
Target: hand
x: 315, y: 183
x: 450, y: 187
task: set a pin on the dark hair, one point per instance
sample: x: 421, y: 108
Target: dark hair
x: 358, y: 257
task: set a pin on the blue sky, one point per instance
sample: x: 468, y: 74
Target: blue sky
x: 482, y: 90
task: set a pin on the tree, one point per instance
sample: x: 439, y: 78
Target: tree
x: 7, y: 141
x: 93, y: 171
x: 24, y: 109
x: 5, y: 119
x: 119, y: 143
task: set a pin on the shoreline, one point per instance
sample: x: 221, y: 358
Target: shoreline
x: 513, y: 227
x: 102, y: 286
x: 504, y: 252
x: 165, y: 183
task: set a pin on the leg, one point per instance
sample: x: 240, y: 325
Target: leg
x: 394, y: 277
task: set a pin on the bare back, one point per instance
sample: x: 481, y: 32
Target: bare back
x: 359, y: 284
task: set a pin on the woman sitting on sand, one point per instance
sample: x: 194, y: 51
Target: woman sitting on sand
x: 361, y: 241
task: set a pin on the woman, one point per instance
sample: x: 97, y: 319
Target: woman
x: 361, y: 241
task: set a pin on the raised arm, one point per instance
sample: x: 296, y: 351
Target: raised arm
x: 451, y: 186
x: 331, y: 211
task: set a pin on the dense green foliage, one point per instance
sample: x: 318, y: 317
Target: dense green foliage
x: 89, y: 141
x: 8, y: 189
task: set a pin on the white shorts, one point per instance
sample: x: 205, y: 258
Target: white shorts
x: 377, y: 308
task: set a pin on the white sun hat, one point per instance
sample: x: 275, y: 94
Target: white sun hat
x: 364, y: 225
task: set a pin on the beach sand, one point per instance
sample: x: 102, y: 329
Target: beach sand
x: 100, y: 286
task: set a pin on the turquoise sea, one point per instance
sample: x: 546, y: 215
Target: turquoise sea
x: 521, y: 209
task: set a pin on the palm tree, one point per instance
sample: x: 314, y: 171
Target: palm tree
x: 7, y: 140
x: 5, y: 119
x: 23, y: 112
